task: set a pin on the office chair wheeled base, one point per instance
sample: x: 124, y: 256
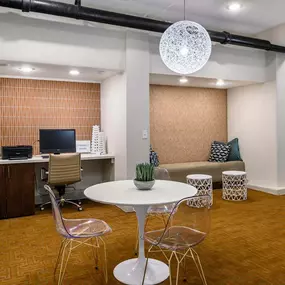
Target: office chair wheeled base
x: 61, y: 202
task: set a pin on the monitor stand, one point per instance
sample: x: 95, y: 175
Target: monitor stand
x: 45, y: 156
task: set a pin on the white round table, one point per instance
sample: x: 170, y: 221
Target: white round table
x: 124, y: 193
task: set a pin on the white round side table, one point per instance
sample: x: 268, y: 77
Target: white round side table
x: 124, y: 193
x: 204, y: 185
x: 234, y: 185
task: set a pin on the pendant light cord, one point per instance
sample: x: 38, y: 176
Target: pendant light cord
x: 184, y: 10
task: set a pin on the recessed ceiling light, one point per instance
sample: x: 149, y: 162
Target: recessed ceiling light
x: 26, y: 69
x: 234, y: 6
x: 74, y: 72
x: 183, y: 80
x: 220, y: 82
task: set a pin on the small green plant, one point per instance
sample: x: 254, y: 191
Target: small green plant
x: 144, y: 172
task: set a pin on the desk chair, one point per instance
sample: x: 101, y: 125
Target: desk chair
x: 63, y: 170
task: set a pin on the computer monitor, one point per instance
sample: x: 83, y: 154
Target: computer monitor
x: 57, y: 141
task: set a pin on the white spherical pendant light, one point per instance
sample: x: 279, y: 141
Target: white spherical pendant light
x: 185, y: 47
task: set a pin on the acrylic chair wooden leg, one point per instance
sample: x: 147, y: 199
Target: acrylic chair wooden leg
x: 184, y: 269
x: 64, y: 261
x: 177, y: 273
x: 198, y: 265
x: 169, y: 265
x: 178, y: 267
x: 105, y: 268
x: 105, y: 257
x: 59, y: 256
x: 95, y: 246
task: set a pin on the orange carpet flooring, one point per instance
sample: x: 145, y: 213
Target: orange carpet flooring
x: 246, y: 245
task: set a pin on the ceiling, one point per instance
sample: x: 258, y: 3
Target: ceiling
x: 173, y: 80
x: 54, y: 72
x: 254, y: 17
x: 58, y: 72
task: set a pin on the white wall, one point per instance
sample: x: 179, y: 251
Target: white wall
x: 276, y: 64
x: 280, y: 113
x: 226, y: 62
x: 252, y: 118
x: 39, y: 41
x: 274, y: 35
x: 113, y: 121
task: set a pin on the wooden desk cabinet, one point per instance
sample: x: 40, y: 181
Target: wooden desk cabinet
x: 17, y: 190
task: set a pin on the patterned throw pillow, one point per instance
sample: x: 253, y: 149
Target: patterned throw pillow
x: 234, y: 154
x: 219, y: 152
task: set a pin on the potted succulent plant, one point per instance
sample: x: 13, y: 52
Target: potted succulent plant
x: 144, y: 176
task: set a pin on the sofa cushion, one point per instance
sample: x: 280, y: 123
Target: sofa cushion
x: 179, y: 171
x: 219, y: 152
x: 234, y: 152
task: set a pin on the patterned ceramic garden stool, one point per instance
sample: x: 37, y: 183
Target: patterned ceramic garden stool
x: 203, y: 183
x: 234, y: 185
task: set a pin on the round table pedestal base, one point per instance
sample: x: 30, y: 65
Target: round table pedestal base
x: 131, y: 272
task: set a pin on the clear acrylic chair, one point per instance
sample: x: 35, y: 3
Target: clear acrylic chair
x: 179, y: 237
x: 162, y: 211
x: 77, y: 232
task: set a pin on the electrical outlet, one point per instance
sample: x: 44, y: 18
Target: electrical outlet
x: 144, y: 134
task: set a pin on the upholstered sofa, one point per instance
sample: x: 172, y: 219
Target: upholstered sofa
x: 179, y: 171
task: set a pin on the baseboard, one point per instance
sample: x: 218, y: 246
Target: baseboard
x: 266, y: 189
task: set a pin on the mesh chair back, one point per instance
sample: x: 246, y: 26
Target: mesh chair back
x: 161, y: 174
x: 64, y: 169
x: 60, y: 227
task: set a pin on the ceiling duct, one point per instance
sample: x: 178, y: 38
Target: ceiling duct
x: 94, y: 15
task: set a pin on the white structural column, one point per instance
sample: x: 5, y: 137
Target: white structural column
x: 113, y: 121
x: 280, y: 112
x: 252, y: 119
x: 125, y: 108
x: 137, y: 72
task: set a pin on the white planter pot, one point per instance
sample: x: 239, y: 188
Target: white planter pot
x: 144, y: 185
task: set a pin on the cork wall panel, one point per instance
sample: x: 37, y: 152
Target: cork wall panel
x: 184, y: 121
x: 28, y: 105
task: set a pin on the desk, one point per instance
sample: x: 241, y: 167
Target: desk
x: 125, y: 193
x: 20, y: 182
x: 40, y: 159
